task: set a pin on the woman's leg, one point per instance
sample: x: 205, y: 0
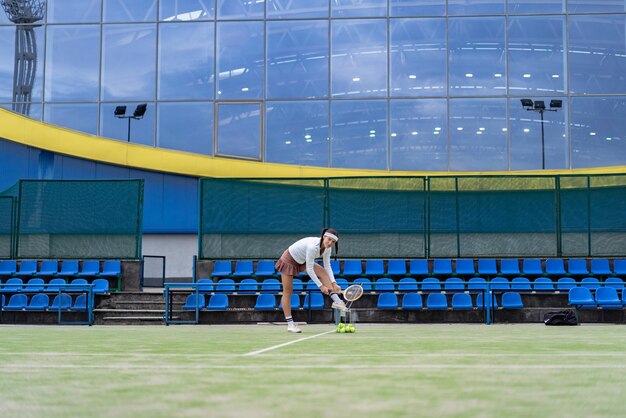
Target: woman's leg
x: 323, y: 276
x: 287, y: 291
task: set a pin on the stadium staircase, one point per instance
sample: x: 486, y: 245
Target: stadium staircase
x: 130, y: 308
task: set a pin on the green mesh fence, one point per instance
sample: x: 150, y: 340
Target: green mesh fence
x: 80, y: 219
x: 7, y: 226
x: 407, y: 217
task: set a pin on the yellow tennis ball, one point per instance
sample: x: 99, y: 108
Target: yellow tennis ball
x: 341, y: 325
x: 342, y: 330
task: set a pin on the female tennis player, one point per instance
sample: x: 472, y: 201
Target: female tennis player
x: 300, y: 256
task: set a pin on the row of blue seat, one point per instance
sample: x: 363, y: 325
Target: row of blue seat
x: 441, y: 267
x: 41, y: 302
x: 409, y: 284
x: 36, y: 284
x: 219, y: 302
x: 69, y: 268
x: 605, y: 298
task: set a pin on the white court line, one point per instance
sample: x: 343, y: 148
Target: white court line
x: 254, y: 353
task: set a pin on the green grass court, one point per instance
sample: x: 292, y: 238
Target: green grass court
x: 381, y: 371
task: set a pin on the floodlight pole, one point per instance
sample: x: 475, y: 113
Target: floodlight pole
x: 543, y: 141
x: 553, y: 108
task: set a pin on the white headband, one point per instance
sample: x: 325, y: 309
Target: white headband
x: 330, y: 235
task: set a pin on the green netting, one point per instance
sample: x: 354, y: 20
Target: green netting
x: 80, y: 219
x: 469, y: 216
x: 7, y: 226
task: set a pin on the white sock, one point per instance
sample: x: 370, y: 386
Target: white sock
x: 335, y: 298
x: 289, y: 320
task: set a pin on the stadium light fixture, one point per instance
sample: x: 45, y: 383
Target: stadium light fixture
x: 540, y: 107
x: 140, y: 111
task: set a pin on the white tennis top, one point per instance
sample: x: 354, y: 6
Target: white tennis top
x: 305, y: 251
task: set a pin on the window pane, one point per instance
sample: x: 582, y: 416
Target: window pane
x: 240, y: 60
x: 240, y: 9
x: 128, y: 62
x: 417, y: 8
x: 7, y: 62
x: 359, y: 134
x: 419, y: 134
x: 359, y: 8
x: 72, y: 63
x: 239, y: 130
x: 80, y: 117
x: 478, y: 140
x: 533, y: 6
x: 597, y: 55
x: 186, y: 127
x: 73, y: 11
x: 141, y: 130
x: 581, y: 6
x: 32, y: 110
x: 536, y: 58
x: 598, y: 126
x: 418, y: 57
x: 285, y: 9
x: 359, y: 58
x: 186, y: 60
x: 185, y: 10
x: 297, y: 133
x: 477, y: 56
x: 475, y: 7
x: 297, y: 59
x: 527, y: 150
x: 129, y: 11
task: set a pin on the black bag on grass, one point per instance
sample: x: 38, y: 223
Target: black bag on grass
x: 567, y: 317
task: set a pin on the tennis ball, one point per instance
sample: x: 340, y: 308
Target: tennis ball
x: 341, y: 325
x: 352, y: 329
x: 342, y: 330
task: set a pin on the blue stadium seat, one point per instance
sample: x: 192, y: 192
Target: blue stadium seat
x: 614, y: 282
x: 384, y: 284
x: 600, y: 267
x: 412, y: 302
x: 565, y: 283
x: 90, y: 268
x: 607, y: 298
x: 352, y: 268
x: 13, y: 285
x: 69, y: 268
x: 464, y: 267
x: 7, y: 268
x: 248, y: 286
x: 453, y: 284
x: 577, y: 267
x: 48, y: 268
x: 491, y: 301
x: 418, y: 267
x: 520, y: 283
x: 431, y: 284
x: 343, y: 283
x: 205, y: 285
x: 265, y: 302
x: 316, y: 301
x: 374, y: 268
x: 555, y: 267
x: 476, y: 283
x: 222, y: 268
x: 335, y: 266
x: 436, y: 301
x: 28, y: 268
x: 61, y: 301
x: 509, y: 267
x: 311, y: 286
x: 55, y: 284
x: 365, y: 283
x: 396, y: 268
x: 80, y: 304
x: 38, y: 302
x: 100, y: 286
x: 16, y: 302
x: 191, y: 303
x: 298, y: 286
x: 387, y: 301
x: 407, y: 284
x: 34, y: 285
x: 581, y: 297
x: 295, y: 302
x: 543, y: 284
x: 461, y: 301
x: 499, y: 283
x: 111, y: 268
x: 271, y: 286
x: 225, y: 286
x: 511, y: 300
x: 590, y: 283
x: 265, y: 268
x: 79, y: 282
x: 442, y: 267
x: 243, y: 268
x: 619, y: 267
x: 532, y: 267
x: 487, y: 267
x: 218, y: 302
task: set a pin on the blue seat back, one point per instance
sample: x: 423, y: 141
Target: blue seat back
x: 7, y: 267
x: 619, y: 267
x: 590, y: 283
x: 17, y: 302
x: 499, y: 283
x: 27, y: 268
x: 418, y: 267
x: 565, y: 283
x: 407, y: 284
x: 412, y: 301
x: 491, y: 300
x: 218, y: 302
x: 476, y: 283
x: 374, y: 268
x: 577, y: 266
x: 335, y: 266
x: 90, y: 267
x: 453, y: 284
x: 265, y: 302
x: 54, y: 285
x: 431, y: 284
x: 63, y: 301
x: 48, y: 268
x: 464, y: 267
x: 100, y: 286
x: 298, y: 286
x: 555, y: 267
x: 194, y: 301
x: 512, y: 300
x: 225, y: 286
x: 487, y: 267
x: 532, y: 267
x: 34, y: 285
x: 384, y: 284
x: 608, y: 297
x: 462, y: 301
x: 600, y: 267
x: 222, y: 268
x: 69, y: 268
x: 272, y: 286
x: 316, y: 300
x: 265, y: 268
x: 295, y: 302
x: 442, y: 267
x: 81, y: 282
x: 365, y: 283
x: 13, y: 285
x: 387, y: 301
x: 40, y: 301
x: 112, y: 268
x: 342, y: 283
x: 205, y: 285
x: 396, y: 267
x: 80, y: 304
x: 311, y: 286
x: 543, y: 284
x: 509, y: 267
x: 436, y: 301
x: 615, y: 282
x: 581, y: 296
x: 243, y: 268
x: 352, y: 268
x: 248, y: 286
x: 520, y: 283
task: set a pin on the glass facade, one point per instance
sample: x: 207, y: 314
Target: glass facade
x: 368, y: 84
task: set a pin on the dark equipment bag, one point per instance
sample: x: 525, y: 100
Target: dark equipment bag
x: 567, y: 317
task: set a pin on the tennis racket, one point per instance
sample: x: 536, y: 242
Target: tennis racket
x: 352, y: 293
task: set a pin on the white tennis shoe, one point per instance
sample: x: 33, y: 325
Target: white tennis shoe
x: 292, y: 327
x: 341, y: 306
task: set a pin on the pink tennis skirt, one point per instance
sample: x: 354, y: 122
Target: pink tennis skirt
x: 287, y: 265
